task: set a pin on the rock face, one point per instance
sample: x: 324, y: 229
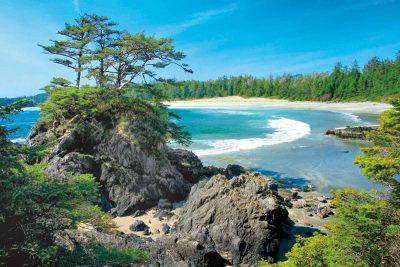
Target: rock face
x: 225, y: 221
x: 132, y: 177
x: 356, y: 132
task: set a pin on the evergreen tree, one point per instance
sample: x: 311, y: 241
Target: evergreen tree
x: 74, y: 50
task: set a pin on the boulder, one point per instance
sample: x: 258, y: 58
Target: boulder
x: 166, y: 228
x: 225, y: 221
x: 138, y: 226
x: 233, y: 170
x: 187, y: 163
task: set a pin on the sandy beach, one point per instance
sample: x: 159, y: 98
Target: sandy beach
x: 240, y: 102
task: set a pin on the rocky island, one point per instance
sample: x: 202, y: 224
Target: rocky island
x: 351, y: 132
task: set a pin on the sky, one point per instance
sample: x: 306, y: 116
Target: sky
x: 219, y: 37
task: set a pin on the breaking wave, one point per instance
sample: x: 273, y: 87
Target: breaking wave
x: 286, y: 131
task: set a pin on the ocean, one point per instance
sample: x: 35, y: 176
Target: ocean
x: 287, y: 144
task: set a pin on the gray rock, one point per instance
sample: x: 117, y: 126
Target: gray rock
x: 233, y: 170
x: 138, y: 226
x: 166, y: 228
x: 162, y: 213
x: 138, y: 213
x: 351, y: 132
x: 164, y: 204
x: 131, y: 176
x: 237, y: 221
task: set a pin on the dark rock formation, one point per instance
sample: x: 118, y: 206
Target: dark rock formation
x: 348, y: 132
x: 70, y: 238
x: 132, y: 177
x: 236, y: 221
x: 138, y: 226
x: 233, y: 170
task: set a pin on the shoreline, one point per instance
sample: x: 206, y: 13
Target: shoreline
x: 373, y: 108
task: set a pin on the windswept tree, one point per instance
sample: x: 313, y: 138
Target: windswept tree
x: 105, y: 37
x: 138, y: 57
x: 74, y: 50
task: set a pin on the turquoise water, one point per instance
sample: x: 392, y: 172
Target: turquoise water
x: 287, y: 144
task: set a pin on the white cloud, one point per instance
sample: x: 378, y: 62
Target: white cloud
x: 76, y: 6
x: 194, y: 20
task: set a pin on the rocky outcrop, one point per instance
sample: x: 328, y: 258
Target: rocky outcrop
x: 351, y: 132
x: 225, y: 221
x: 132, y: 176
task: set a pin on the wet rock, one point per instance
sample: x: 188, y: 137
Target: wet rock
x: 138, y: 226
x: 255, y: 214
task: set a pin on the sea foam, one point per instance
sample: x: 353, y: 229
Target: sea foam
x: 19, y: 140
x: 30, y: 108
x: 286, y: 131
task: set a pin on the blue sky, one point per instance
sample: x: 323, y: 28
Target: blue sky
x: 219, y: 37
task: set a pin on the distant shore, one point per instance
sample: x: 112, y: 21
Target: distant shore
x: 240, y: 102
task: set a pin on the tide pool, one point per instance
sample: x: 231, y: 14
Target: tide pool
x: 287, y: 144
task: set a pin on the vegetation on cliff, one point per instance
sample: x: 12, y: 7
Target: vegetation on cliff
x: 36, y: 208
x: 378, y: 80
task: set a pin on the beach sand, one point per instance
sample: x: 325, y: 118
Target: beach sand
x: 155, y: 224
x: 240, y: 102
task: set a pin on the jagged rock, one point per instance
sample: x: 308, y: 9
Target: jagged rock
x: 131, y: 176
x: 166, y: 228
x: 164, y: 204
x: 138, y: 226
x: 233, y: 170
x: 73, y: 163
x: 348, y: 132
x: 236, y: 221
x: 69, y: 238
x: 162, y: 213
x: 187, y: 163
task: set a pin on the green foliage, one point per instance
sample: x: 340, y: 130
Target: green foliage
x: 34, y: 209
x: 144, y: 118
x: 381, y: 162
x: 34, y: 100
x: 95, y: 255
x: 114, y: 58
x: 365, y: 232
x: 378, y: 80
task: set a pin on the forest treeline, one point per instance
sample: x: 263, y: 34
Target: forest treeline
x: 377, y: 80
x: 34, y: 100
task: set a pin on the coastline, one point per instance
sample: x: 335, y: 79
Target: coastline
x: 374, y: 108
